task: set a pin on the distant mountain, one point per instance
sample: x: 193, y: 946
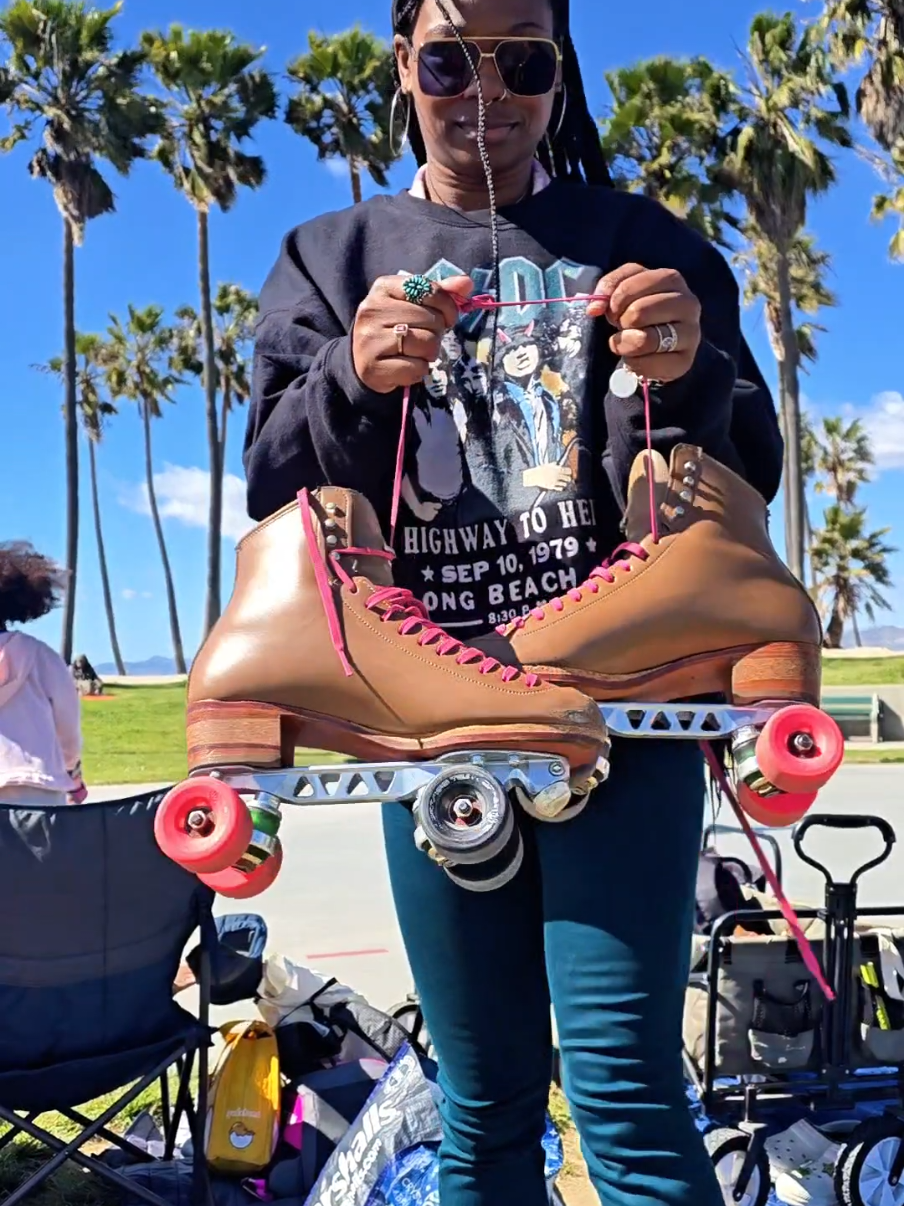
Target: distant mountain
x: 885, y: 637
x: 153, y: 665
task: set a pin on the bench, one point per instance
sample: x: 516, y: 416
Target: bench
x: 856, y: 708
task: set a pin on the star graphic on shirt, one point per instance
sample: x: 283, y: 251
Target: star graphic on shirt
x: 591, y: 545
x: 428, y: 574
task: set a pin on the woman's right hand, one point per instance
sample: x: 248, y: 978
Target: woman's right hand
x: 375, y: 344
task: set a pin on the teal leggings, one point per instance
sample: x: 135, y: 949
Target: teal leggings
x: 598, y: 921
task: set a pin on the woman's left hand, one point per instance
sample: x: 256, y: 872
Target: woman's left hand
x: 641, y: 302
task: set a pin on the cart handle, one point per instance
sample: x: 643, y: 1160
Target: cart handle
x: 845, y: 821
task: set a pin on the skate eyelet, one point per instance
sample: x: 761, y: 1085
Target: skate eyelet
x: 686, y: 495
x: 679, y: 510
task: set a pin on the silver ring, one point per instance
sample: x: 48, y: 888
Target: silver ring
x: 668, y: 341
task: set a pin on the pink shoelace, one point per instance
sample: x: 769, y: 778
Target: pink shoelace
x: 402, y: 605
x: 603, y: 573
x: 393, y: 604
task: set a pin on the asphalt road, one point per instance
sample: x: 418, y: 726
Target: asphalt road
x: 331, y: 907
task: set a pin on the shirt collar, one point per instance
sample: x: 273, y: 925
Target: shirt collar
x: 539, y: 181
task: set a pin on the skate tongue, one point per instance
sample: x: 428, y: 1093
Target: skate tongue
x: 638, y: 522
x: 362, y: 532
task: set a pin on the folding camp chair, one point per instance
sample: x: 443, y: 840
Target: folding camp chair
x: 94, y: 923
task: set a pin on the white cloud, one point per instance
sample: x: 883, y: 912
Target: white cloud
x: 337, y: 167
x: 183, y: 494
x: 884, y: 420
x: 128, y: 593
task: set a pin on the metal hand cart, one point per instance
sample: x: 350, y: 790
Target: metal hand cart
x: 844, y: 1060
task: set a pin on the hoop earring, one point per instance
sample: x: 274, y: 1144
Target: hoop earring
x: 397, y: 150
x: 562, y: 114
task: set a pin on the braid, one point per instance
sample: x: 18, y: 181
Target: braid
x: 575, y: 152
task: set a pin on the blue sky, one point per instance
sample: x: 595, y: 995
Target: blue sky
x: 146, y: 253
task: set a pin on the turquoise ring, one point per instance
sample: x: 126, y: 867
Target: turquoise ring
x: 417, y: 289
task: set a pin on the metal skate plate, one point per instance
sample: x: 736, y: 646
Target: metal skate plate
x: 387, y: 782
x: 693, y: 722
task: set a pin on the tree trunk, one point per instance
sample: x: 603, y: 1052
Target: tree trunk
x: 355, y: 174
x: 790, y: 402
x: 835, y: 630
x: 224, y: 422
x: 70, y: 419
x: 178, y: 655
x: 102, y: 561
x: 215, y: 514
x: 858, y: 640
x: 808, y: 540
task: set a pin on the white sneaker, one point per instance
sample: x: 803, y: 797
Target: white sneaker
x: 802, y: 1162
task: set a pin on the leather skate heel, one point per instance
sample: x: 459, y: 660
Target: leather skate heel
x: 784, y: 670
x: 238, y: 734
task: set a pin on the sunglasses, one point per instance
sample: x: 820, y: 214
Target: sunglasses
x: 526, y: 66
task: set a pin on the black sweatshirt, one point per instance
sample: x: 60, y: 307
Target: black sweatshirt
x: 515, y: 473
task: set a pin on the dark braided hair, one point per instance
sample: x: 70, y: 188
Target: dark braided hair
x: 575, y: 152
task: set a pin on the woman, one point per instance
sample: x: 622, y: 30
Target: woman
x: 40, y: 717
x: 512, y: 197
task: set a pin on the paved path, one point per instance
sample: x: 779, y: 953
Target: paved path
x: 332, y: 909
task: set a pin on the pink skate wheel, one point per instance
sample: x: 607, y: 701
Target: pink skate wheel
x: 240, y: 885
x: 799, y: 749
x: 775, y: 812
x: 203, y: 825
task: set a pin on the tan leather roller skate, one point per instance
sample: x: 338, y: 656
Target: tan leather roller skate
x: 697, y: 603
x: 317, y: 648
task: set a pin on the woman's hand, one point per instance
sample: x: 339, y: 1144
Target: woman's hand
x: 640, y: 301
x: 386, y: 360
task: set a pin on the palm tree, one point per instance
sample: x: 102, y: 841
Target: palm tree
x: 68, y: 90
x: 777, y: 162
x: 850, y: 566
x: 844, y: 459
x: 343, y: 102
x: 808, y: 267
x: 137, y: 358
x: 94, y: 410
x: 809, y: 455
x: 663, y: 135
x: 215, y: 96
x: 234, y: 312
x: 873, y: 30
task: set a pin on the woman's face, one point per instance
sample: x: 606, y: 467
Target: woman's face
x: 515, y: 124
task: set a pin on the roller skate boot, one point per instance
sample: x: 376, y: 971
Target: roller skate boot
x: 697, y: 605
x: 317, y: 648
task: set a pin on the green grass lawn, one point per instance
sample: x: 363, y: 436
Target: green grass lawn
x: 861, y: 672
x: 138, y: 736
x: 70, y: 1186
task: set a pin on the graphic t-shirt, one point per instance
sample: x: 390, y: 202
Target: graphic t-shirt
x: 498, y: 488
x: 516, y: 455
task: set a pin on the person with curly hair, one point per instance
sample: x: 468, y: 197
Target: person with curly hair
x: 40, y: 718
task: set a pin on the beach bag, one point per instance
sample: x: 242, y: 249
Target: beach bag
x: 243, y: 1112
x: 318, y: 1021
x: 400, y: 1114
x: 320, y: 1109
